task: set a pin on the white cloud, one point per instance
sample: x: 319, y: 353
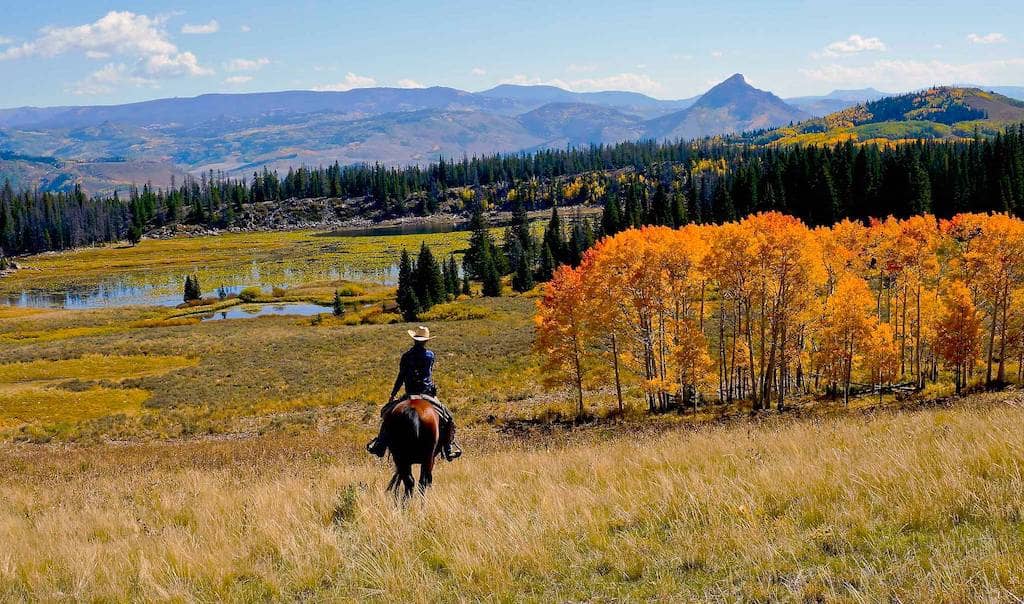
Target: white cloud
x: 351, y: 81
x: 210, y: 27
x: 992, y: 38
x: 407, y: 83
x: 108, y: 79
x: 6, y: 40
x: 141, y: 41
x: 246, y: 64
x: 237, y: 80
x: 853, y: 45
x: 636, y: 82
x: 909, y: 75
x: 523, y: 80
x: 717, y: 54
x: 244, y: 28
x: 478, y: 71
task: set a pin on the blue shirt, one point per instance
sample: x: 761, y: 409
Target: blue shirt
x: 416, y: 372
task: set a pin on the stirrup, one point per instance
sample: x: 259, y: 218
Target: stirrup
x: 452, y: 452
x: 374, y: 447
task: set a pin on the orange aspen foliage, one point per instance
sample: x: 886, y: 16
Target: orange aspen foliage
x: 562, y: 326
x: 749, y: 306
x: 959, y: 331
x: 847, y: 326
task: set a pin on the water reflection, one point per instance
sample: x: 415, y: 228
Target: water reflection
x: 165, y: 290
x: 249, y: 311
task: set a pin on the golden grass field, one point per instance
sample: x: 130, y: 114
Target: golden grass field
x: 917, y: 506
x: 149, y: 456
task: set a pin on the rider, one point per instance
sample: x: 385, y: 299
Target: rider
x: 416, y: 374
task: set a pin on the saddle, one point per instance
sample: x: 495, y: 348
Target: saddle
x: 438, y: 406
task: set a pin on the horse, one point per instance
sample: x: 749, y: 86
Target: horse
x: 414, y: 437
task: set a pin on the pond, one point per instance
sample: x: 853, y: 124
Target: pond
x: 165, y: 289
x: 251, y: 311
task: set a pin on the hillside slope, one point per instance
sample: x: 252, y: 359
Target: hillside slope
x: 936, y: 113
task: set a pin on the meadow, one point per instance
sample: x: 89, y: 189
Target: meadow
x: 148, y: 455
x: 916, y: 506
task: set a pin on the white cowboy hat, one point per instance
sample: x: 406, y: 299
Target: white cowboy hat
x: 420, y: 334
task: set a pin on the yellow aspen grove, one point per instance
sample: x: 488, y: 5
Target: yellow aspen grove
x: 959, y: 331
x: 729, y: 265
x: 787, y: 271
x: 764, y: 308
x: 845, y: 330
x: 999, y: 258
x: 562, y: 336
x: 881, y: 359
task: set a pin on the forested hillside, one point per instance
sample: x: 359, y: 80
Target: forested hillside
x: 944, y: 112
x: 676, y: 183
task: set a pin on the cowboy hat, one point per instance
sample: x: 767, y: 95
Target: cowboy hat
x: 420, y: 334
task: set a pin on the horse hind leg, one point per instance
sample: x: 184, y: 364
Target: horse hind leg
x: 408, y: 481
x: 393, y: 484
x: 426, y: 477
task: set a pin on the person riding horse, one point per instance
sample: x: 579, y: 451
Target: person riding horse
x: 415, y: 372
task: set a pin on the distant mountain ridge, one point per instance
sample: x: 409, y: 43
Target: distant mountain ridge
x: 731, y: 106
x: 108, y: 147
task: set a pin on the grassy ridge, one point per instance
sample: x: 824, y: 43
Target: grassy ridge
x: 920, y: 506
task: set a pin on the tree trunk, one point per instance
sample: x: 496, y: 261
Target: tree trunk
x: 615, y: 363
x: 1001, y: 374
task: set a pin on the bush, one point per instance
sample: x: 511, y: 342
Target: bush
x: 279, y: 292
x: 351, y: 290
x: 250, y: 294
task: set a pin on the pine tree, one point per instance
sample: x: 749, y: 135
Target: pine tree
x: 338, y: 308
x: 192, y: 289
x: 522, y: 278
x: 661, y: 213
x: 548, y: 264
x: 481, y: 246
x: 466, y: 291
x: 428, y: 281
x: 553, y: 238
x: 491, y: 277
x: 611, y: 216
x: 406, y: 298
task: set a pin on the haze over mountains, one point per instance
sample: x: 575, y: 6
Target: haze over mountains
x: 104, y: 147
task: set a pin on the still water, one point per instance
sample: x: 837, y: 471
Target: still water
x: 250, y: 311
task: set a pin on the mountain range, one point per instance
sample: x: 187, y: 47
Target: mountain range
x: 107, y: 147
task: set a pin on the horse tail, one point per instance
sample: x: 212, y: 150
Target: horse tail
x: 412, y: 418
x: 403, y: 430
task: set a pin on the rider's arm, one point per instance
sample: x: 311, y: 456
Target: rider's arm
x: 400, y: 379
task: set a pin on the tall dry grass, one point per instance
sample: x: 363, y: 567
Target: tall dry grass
x: 922, y: 506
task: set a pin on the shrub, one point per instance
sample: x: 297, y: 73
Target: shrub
x: 250, y: 294
x: 279, y: 292
x: 351, y: 290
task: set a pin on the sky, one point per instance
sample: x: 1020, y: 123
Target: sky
x: 89, y: 52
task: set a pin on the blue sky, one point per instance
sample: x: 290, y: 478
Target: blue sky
x: 92, y: 52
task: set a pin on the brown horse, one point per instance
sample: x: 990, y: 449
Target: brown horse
x: 414, y: 437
